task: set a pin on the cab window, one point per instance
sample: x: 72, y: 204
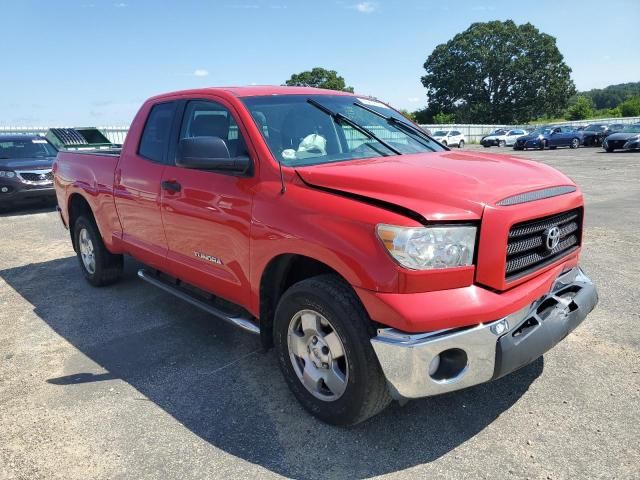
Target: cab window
x: 154, y: 142
x: 203, y: 118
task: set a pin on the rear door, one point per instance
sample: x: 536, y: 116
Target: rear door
x: 137, y: 187
x: 207, y: 214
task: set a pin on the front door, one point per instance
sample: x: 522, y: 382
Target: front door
x: 207, y: 214
x: 137, y: 189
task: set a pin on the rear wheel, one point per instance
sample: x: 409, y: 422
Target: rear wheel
x: 502, y: 143
x: 543, y: 145
x: 99, y: 266
x: 575, y: 143
x: 322, y: 339
x: 461, y: 144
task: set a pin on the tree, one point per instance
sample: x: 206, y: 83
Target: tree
x: 580, y: 109
x: 320, y: 78
x: 498, y: 72
x: 630, y: 107
x: 442, y: 118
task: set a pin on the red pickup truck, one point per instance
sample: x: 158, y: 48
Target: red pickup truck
x: 379, y: 264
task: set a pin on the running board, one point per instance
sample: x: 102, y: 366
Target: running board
x: 236, y: 320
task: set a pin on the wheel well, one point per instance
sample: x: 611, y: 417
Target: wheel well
x: 78, y: 205
x: 282, y: 272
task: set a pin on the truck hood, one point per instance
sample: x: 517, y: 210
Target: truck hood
x: 438, y: 186
x: 26, y: 163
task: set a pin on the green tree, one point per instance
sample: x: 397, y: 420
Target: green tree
x: 580, y: 109
x: 630, y: 108
x: 442, y: 118
x: 320, y: 78
x: 498, y: 72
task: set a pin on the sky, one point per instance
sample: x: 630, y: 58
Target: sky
x: 93, y: 62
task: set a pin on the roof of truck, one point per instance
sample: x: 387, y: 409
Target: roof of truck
x: 258, y: 90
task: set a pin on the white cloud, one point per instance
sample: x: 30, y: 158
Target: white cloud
x: 200, y: 72
x: 366, y: 7
x: 121, y: 5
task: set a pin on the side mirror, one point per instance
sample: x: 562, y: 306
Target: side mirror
x: 209, y: 153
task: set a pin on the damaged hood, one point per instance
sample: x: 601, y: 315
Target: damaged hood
x: 438, y: 186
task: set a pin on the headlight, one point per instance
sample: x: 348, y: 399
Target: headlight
x: 633, y: 139
x: 426, y: 248
x: 7, y: 173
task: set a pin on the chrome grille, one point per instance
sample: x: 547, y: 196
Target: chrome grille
x: 36, y: 177
x: 527, y: 248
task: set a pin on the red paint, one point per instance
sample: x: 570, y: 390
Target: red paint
x: 246, y: 221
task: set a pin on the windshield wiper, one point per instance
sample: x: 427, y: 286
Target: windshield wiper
x: 340, y: 118
x: 399, y: 124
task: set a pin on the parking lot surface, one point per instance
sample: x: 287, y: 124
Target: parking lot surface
x: 126, y: 382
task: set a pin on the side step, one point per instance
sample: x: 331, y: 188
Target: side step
x: 234, y: 319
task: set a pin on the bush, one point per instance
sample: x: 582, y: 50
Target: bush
x: 630, y: 107
x: 442, y: 118
x: 582, y: 108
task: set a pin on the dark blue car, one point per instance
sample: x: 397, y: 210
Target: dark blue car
x: 550, y: 137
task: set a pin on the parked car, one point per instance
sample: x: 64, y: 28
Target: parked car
x: 627, y: 139
x: 503, y: 138
x: 550, y: 137
x: 450, y: 138
x: 327, y: 224
x: 25, y: 169
x: 594, y: 134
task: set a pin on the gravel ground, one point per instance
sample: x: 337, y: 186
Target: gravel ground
x: 123, y: 382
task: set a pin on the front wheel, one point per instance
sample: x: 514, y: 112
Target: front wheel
x: 461, y: 144
x: 543, y: 145
x: 99, y: 266
x: 322, y: 340
x: 502, y: 143
x: 575, y: 143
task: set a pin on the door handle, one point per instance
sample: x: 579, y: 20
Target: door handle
x: 171, y: 185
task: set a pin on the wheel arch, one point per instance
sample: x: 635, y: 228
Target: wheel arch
x: 76, y: 206
x: 280, y: 273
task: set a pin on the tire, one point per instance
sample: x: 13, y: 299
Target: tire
x: 461, y: 144
x: 485, y: 146
x: 575, y: 143
x: 502, y: 143
x: 553, y: 147
x: 444, y: 143
x: 609, y: 149
x: 99, y: 266
x: 543, y: 145
x: 362, y: 390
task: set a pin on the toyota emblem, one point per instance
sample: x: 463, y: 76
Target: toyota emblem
x: 552, y: 238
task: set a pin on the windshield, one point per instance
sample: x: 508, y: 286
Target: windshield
x: 632, y: 129
x: 498, y: 132
x: 541, y: 131
x: 594, y: 128
x: 314, y: 129
x: 440, y: 133
x: 27, y: 148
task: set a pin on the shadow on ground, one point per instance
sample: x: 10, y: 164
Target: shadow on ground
x: 41, y: 206
x: 214, y: 380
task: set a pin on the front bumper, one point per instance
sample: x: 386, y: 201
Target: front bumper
x: 426, y: 364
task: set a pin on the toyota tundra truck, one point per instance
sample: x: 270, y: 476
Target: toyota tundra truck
x: 377, y: 263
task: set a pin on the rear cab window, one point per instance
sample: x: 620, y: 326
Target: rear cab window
x: 154, y: 142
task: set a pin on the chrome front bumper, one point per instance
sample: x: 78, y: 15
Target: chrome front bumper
x: 426, y: 364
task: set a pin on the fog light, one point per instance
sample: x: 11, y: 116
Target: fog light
x: 433, y: 366
x: 4, y: 189
x: 500, y: 327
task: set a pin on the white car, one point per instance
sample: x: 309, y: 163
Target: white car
x: 450, y: 138
x: 502, y: 138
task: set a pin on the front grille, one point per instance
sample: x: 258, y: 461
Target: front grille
x: 616, y: 143
x: 527, y: 248
x: 36, y: 177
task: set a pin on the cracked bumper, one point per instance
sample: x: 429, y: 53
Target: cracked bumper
x: 426, y: 364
